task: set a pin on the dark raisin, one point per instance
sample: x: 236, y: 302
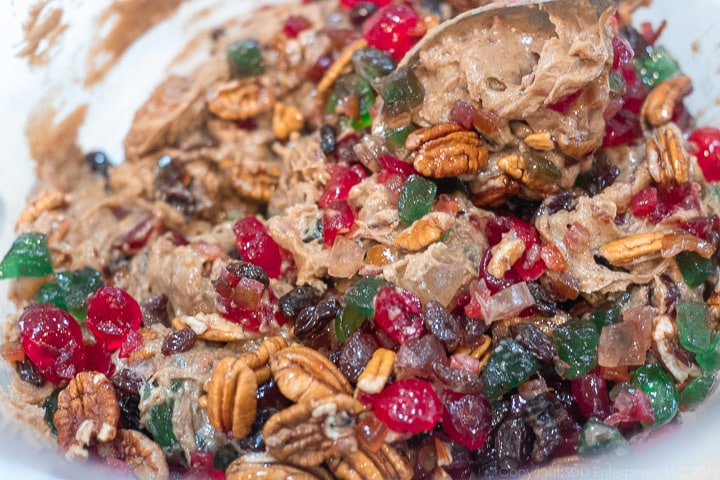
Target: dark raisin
x: 327, y: 139
x: 535, y: 341
x: 254, y: 442
x: 99, y: 163
x: 672, y: 293
x: 29, y: 373
x: 345, y: 149
x: 556, y: 202
x: 512, y: 444
x: 297, y: 299
x: 461, y: 465
x: 361, y: 11
x: 172, y: 185
x: 549, y: 420
x: 248, y: 270
x: 155, y: 310
x: 417, y: 356
x: 355, y: 353
x: 312, y: 320
x: 543, y: 303
x: 601, y: 175
x: 473, y: 329
x: 270, y: 396
x: 178, y: 341
x: 127, y: 388
x: 441, y: 323
x: 458, y: 380
x: 225, y: 456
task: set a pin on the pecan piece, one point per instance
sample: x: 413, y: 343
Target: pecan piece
x: 46, y: 200
x: 213, y: 327
x: 255, y: 181
x: 424, y: 231
x: 634, y: 247
x: 446, y: 150
x: 241, y: 469
x: 258, y: 358
x: 505, y: 254
x: 232, y: 397
x: 144, y: 456
x: 88, y: 410
x: 310, y: 432
x: 537, y: 173
x: 659, y: 105
x: 364, y: 464
x: 664, y: 337
x: 239, y: 100
x: 667, y: 160
x: 286, y: 120
x: 540, y: 141
x: 302, y: 374
x: 377, y: 372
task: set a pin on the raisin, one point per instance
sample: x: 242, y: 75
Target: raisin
x: 512, y: 444
x: 178, y: 341
x: 127, y: 387
x: 461, y: 465
x: 361, y: 11
x: 172, y: 185
x: 312, y: 320
x: 549, y: 420
x: 248, y: 270
x: 535, y: 341
x: 543, y: 303
x: 355, y: 353
x: 458, y: 380
x: 99, y: 163
x: 601, y: 175
x: 441, y: 323
x: 327, y: 139
x: 417, y: 356
x: 254, y: 442
x: 155, y: 310
x: 269, y: 396
x: 473, y: 329
x: 296, y: 300
x: 29, y: 373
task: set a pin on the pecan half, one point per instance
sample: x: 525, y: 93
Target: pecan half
x: 242, y: 469
x: 634, y: 247
x: 364, y: 464
x: 667, y: 160
x: 659, y: 105
x: 424, y: 231
x: 87, y: 410
x: 232, y: 397
x: 310, y: 432
x: 239, y: 100
x: 302, y: 374
x: 144, y: 456
x: 256, y: 180
x: 446, y: 150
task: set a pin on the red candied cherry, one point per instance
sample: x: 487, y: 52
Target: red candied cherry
x: 342, y: 179
x: 202, y: 467
x: 624, y: 128
x: 394, y: 29
x: 466, y: 419
x: 644, y: 202
x: 399, y: 313
x: 408, y: 406
x: 99, y: 359
x: 111, y: 315
x: 294, y: 25
x: 591, y: 395
x: 338, y: 218
x: 244, y: 298
x: 707, y: 145
x: 257, y: 246
x: 52, y: 340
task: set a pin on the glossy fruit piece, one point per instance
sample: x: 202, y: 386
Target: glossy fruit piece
x: 597, y: 438
x: 159, y: 424
x: 352, y: 97
x: 245, y: 58
x: 53, y: 342
x: 28, y: 256
x: 705, y: 228
x: 401, y: 92
x: 522, y: 269
x: 358, y: 305
x: 393, y: 165
x: 577, y: 345
x: 257, y: 246
x: 644, y: 202
x: 696, y: 391
x: 694, y: 268
x: 622, y: 129
x: 342, y: 179
x: 693, y: 322
x: 408, y: 406
x: 399, y: 313
x: 709, y: 360
x: 111, y: 314
x: 509, y: 366
x: 706, y: 142
x: 396, y: 136
x: 591, y: 396
x: 393, y: 29
x: 294, y: 25
x: 656, y: 67
x: 631, y: 405
x: 338, y: 218
x: 99, y: 359
x: 202, y: 467
x: 371, y: 63
x: 71, y: 290
x: 660, y: 389
x: 466, y: 418
x: 416, y: 199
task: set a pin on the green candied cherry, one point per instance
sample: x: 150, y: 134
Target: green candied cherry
x: 28, y: 256
x: 245, y: 58
x: 396, y: 136
x: 353, y: 97
x: 577, y: 347
x: 694, y: 268
x: 401, y: 92
x: 660, y: 389
x: 159, y: 424
x: 371, y: 63
x: 541, y: 169
x: 610, y: 315
x: 416, y: 199
x: 50, y: 406
x: 509, y: 366
x: 709, y: 360
x: 696, y: 391
x: 70, y: 290
x: 597, y: 437
x: 358, y: 306
x: 656, y: 67
x: 693, y: 322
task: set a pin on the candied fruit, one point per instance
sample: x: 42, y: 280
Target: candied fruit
x: 111, y: 314
x: 408, y: 406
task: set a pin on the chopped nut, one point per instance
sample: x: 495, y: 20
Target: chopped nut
x: 231, y: 399
x: 377, y: 372
x: 255, y: 181
x: 443, y: 451
x: 144, y: 456
x: 87, y: 410
x: 446, y: 150
x: 664, y: 337
x: 302, y: 374
x: 241, y: 469
x: 505, y: 254
x: 44, y: 201
x: 213, y: 327
x: 540, y: 141
x: 332, y: 73
x: 713, y: 303
x: 424, y: 231
x: 239, y: 100
x: 659, y: 105
x: 629, y: 249
x: 667, y: 159
x: 258, y: 358
x: 286, y: 120
x: 365, y: 464
x: 312, y: 431
x: 495, y: 192
x: 517, y: 168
